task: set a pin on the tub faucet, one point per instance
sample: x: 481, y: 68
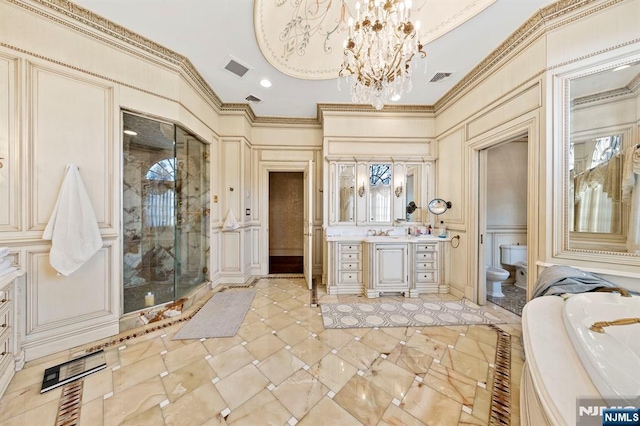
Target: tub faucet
x: 599, y: 326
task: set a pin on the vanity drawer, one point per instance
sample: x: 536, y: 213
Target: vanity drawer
x: 4, y: 298
x: 349, y: 247
x: 426, y: 256
x: 427, y: 276
x: 350, y: 257
x: 5, y: 341
x: 350, y: 277
x: 350, y: 266
x: 5, y: 316
x: 426, y: 247
x: 426, y: 266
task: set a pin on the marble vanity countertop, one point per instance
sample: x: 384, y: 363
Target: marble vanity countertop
x: 390, y: 238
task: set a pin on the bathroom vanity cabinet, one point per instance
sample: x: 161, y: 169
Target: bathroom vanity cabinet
x: 11, y: 355
x: 387, y: 268
x: 372, y: 266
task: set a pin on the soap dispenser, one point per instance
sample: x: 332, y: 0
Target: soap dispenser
x: 442, y: 232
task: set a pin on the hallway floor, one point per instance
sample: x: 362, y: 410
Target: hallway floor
x: 284, y: 368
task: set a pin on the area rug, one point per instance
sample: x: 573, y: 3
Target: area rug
x: 221, y: 316
x: 404, y: 314
x: 513, y: 300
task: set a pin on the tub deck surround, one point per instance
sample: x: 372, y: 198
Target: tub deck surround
x: 374, y: 265
x: 283, y: 367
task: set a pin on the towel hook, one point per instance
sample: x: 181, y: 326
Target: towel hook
x: 1, y: 165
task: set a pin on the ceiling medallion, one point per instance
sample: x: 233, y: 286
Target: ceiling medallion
x: 377, y: 56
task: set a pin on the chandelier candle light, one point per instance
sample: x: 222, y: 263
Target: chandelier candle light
x: 382, y: 41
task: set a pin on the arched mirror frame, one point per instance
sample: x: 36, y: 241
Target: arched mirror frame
x: 562, y: 133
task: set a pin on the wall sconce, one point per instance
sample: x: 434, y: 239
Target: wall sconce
x: 361, y: 191
x: 399, y: 190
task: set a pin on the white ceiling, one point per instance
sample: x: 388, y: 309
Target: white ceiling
x: 209, y: 32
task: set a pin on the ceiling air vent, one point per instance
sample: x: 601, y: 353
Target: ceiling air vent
x: 253, y: 98
x: 440, y: 76
x: 236, y: 67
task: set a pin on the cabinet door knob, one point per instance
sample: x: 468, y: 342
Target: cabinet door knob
x: 3, y: 325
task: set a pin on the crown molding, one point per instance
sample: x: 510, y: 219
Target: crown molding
x: 536, y: 26
x: 97, y: 27
x: 424, y: 110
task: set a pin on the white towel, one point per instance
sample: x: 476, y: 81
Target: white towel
x: 72, y: 228
x: 230, y: 222
x: 4, y: 251
x: 8, y: 270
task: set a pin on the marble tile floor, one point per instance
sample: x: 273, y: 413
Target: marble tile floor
x: 284, y: 368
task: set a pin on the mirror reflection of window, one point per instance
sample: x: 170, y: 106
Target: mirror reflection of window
x: 413, y: 192
x: 380, y: 192
x: 596, y: 177
x: 347, y: 173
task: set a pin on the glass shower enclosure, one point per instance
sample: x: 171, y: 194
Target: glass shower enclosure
x: 165, y: 215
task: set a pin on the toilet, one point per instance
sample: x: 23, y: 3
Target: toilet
x: 516, y: 255
x: 495, y: 276
x: 521, y: 275
x: 510, y: 254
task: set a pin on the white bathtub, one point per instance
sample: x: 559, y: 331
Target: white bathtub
x: 566, y: 361
x: 611, y: 358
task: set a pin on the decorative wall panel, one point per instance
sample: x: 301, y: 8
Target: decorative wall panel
x: 70, y: 121
x: 10, y: 184
x: 55, y: 301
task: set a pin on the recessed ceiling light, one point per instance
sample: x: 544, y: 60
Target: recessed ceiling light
x: 621, y: 67
x: 265, y: 83
x: 395, y: 97
x: 130, y: 132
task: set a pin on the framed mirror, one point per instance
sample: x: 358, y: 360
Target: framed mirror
x: 346, y: 192
x: 602, y: 191
x: 380, y: 192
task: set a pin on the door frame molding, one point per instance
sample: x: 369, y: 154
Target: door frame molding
x: 526, y: 125
x: 267, y: 167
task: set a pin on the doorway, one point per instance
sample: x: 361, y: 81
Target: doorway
x: 286, y: 224
x: 502, y: 223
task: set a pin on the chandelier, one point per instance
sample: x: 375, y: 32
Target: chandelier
x: 382, y: 41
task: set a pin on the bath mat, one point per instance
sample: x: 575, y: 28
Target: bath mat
x: 221, y: 316
x: 412, y: 313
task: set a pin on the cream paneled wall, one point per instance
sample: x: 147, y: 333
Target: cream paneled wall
x: 514, y: 97
x: 65, y: 85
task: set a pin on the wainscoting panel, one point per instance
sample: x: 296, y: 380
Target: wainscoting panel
x: 61, y: 311
x: 230, y: 251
